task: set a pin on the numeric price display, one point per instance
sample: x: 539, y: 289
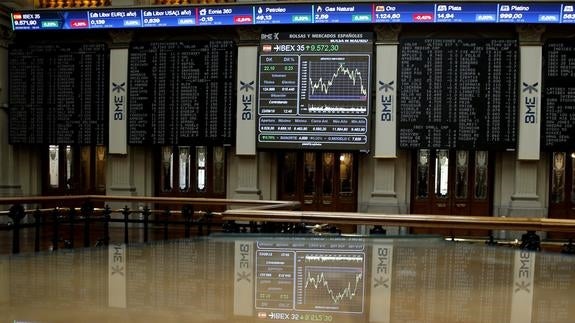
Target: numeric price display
x: 115, y: 19
x: 558, y: 100
x: 288, y: 14
x: 168, y: 17
x: 530, y: 13
x: 343, y: 13
x: 31, y: 21
x: 568, y: 14
x: 239, y: 15
x: 314, y: 91
x: 465, y: 12
x: 456, y: 93
x: 407, y: 13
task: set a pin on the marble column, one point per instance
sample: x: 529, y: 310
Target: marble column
x: 120, y: 158
x: 383, y: 196
x: 246, y: 161
x: 529, y: 186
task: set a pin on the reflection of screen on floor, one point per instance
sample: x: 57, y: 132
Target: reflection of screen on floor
x: 311, y: 280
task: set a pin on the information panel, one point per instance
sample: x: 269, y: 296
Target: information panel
x: 558, y: 95
x: 314, y: 91
x: 458, y: 93
x: 234, y: 14
x: 181, y: 92
x: 58, y: 94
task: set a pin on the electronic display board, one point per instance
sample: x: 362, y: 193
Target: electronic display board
x: 343, y: 13
x: 181, y: 92
x: 458, y: 93
x: 558, y: 99
x: 168, y: 17
x: 232, y: 15
x: 300, y: 13
x: 282, y: 14
x: 58, y: 94
x: 314, y: 90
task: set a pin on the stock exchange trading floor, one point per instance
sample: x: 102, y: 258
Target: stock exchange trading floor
x: 255, y: 278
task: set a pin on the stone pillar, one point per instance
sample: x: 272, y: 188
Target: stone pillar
x: 9, y: 183
x: 385, y: 122
x: 120, y: 159
x: 529, y: 180
x: 383, y: 196
x: 530, y: 53
x: 246, y: 160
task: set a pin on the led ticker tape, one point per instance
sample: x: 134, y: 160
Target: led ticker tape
x: 259, y: 14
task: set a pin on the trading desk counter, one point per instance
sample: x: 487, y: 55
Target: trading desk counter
x: 256, y: 278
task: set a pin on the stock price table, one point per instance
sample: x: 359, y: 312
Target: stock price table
x: 458, y: 93
x: 181, y: 92
x: 558, y: 126
x: 314, y: 91
x: 58, y: 94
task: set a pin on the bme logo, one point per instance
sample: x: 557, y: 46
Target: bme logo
x: 386, y: 101
x: 531, y: 102
x: 247, y: 99
x: 119, y: 90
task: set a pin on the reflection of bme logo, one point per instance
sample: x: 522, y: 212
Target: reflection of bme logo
x: 244, y: 255
x: 382, y: 260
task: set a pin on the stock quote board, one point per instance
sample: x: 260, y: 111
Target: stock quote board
x: 458, y: 93
x: 181, y: 93
x: 558, y: 126
x: 314, y: 90
x: 58, y: 94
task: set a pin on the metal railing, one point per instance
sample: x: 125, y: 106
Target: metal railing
x: 71, y: 221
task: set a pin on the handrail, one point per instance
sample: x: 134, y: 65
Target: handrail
x: 268, y: 211
x: 149, y: 199
x: 407, y: 220
x: 67, y: 222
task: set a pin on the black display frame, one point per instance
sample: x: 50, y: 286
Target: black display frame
x: 297, y: 118
x: 163, y: 112
x: 437, y: 120
x: 54, y: 97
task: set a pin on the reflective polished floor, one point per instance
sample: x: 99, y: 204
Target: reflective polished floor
x: 256, y: 278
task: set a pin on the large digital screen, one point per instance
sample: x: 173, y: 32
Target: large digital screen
x: 301, y: 13
x: 558, y: 126
x: 314, y: 90
x: 458, y: 93
x: 180, y: 93
x: 57, y: 94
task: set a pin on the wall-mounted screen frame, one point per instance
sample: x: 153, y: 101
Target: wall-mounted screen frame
x: 314, y: 91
